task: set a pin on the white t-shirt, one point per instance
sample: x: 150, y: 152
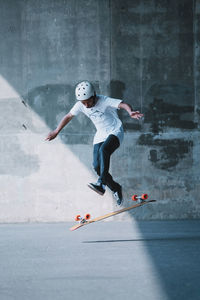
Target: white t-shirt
x: 104, y: 116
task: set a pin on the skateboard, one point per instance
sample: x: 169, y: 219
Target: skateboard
x: 141, y: 200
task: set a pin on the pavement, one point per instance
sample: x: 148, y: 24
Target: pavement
x: 156, y: 260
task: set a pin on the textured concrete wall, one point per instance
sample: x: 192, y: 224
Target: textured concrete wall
x: 146, y: 52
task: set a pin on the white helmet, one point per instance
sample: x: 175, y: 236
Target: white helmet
x: 84, y: 90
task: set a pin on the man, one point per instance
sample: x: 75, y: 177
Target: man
x: 102, y: 111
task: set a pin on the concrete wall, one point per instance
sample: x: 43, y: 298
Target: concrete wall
x: 145, y: 52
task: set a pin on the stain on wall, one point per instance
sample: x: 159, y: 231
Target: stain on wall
x: 169, y: 106
x: 165, y: 154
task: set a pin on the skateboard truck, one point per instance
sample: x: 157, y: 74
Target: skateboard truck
x: 81, y: 219
x: 141, y: 198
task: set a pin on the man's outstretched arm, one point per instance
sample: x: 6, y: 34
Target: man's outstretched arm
x: 53, y: 134
x: 133, y: 114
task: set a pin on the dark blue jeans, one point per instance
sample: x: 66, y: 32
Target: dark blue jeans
x: 101, y: 160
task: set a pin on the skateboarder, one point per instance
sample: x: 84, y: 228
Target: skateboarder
x: 102, y: 111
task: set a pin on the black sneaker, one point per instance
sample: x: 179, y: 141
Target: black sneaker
x: 118, y: 195
x: 97, y: 187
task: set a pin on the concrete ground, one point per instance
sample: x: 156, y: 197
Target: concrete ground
x: 106, y: 260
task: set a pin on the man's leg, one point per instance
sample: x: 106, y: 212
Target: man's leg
x: 97, y: 187
x: 105, y: 151
x: 96, y: 164
x: 96, y: 160
x: 101, y: 163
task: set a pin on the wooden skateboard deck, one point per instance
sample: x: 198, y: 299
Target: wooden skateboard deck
x: 84, y: 221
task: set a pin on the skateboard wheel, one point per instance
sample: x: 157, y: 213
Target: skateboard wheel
x: 77, y: 218
x: 144, y: 197
x: 87, y: 216
x: 134, y: 197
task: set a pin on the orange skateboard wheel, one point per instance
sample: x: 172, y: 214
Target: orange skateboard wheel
x: 77, y: 218
x: 144, y: 197
x: 134, y: 197
x: 87, y: 216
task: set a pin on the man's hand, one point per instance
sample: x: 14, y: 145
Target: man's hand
x: 135, y: 115
x: 52, y: 135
